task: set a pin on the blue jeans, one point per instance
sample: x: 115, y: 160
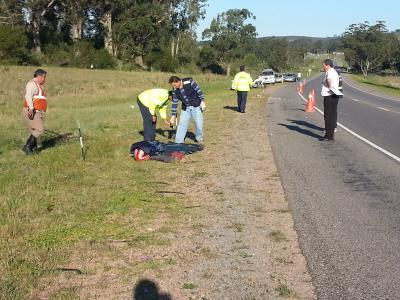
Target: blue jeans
x: 194, y: 113
x: 241, y: 99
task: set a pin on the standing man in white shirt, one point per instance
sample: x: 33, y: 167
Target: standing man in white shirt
x: 330, y: 92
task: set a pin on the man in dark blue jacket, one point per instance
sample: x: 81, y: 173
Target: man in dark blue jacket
x: 193, y: 105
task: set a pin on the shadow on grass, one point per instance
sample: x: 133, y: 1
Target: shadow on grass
x: 147, y: 289
x: 301, y: 130
x: 306, y: 124
x: 51, y: 139
x: 234, y: 108
x: 170, y: 133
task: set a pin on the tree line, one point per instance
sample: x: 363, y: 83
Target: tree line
x: 99, y: 32
x: 372, y: 48
x: 160, y: 35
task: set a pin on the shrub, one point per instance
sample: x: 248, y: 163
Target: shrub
x: 82, y: 54
x: 36, y: 59
x: 189, y: 69
x: 166, y: 63
x: 58, y: 55
x: 103, y: 60
x: 127, y: 66
x: 12, y: 44
x: 161, y: 61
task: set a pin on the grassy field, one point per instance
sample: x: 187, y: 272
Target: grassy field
x: 386, y: 84
x: 51, y: 202
x: 315, y: 64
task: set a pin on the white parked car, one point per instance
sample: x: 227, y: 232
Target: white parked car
x: 279, y: 77
x: 267, y: 76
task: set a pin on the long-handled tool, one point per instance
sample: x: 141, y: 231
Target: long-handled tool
x: 80, y: 139
x: 173, y: 126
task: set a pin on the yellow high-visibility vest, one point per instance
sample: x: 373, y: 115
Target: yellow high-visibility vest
x: 242, y: 82
x: 155, y: 99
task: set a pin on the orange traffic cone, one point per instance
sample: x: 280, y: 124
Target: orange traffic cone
x: 313, y: 96
x: 300, y: 88
x: 310, y: 106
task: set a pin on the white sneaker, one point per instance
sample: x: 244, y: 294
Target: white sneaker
x: 335, y: 130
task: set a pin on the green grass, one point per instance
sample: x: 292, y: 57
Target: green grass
x: 51, y: 202
x: 65, y: 294
x: 315, y: 64
x: 284, y: 291
x: 278, y: 236
x: 199, y: 174
x: 189, y: 286
x: 282, y: 211
x: 284, y: 261
x: 237, y: 227
x: 387, y: 84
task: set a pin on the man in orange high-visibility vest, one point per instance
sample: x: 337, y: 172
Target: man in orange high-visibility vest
x: 35, y: 106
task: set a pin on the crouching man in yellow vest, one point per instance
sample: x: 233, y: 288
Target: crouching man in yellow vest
x: 149, y: 102
x: 35, y: 106
x: 241, y: 84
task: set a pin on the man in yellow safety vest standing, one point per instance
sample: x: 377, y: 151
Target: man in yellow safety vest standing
x: 35, y: 106
x: 149, y: 102
x: 242, y: 84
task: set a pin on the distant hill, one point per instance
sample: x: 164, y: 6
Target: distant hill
x: 292, y: 38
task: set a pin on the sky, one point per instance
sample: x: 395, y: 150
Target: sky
x: 316, y: 18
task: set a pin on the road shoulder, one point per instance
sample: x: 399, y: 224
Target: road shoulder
x: 368, y: 88
x: 234, y: 236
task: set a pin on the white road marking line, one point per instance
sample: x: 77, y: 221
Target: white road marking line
x: 382, y: 108
x: 391, y: 155
x: 378, y: 107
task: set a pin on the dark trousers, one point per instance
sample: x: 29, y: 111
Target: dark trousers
x: 241, y: 99
x: 330, y: 115
x: 149, y: 127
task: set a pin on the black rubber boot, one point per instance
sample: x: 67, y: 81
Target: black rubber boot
x: 30, y: 147
x: 33, y: 146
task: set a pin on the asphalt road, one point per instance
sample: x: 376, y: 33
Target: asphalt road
x: 344, y: 196
x: 373, y: 117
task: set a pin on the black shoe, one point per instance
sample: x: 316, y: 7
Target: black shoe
x: 33, y: 146
x: 26, y: 150
x: 325, y: 139
x: 30, y: 147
